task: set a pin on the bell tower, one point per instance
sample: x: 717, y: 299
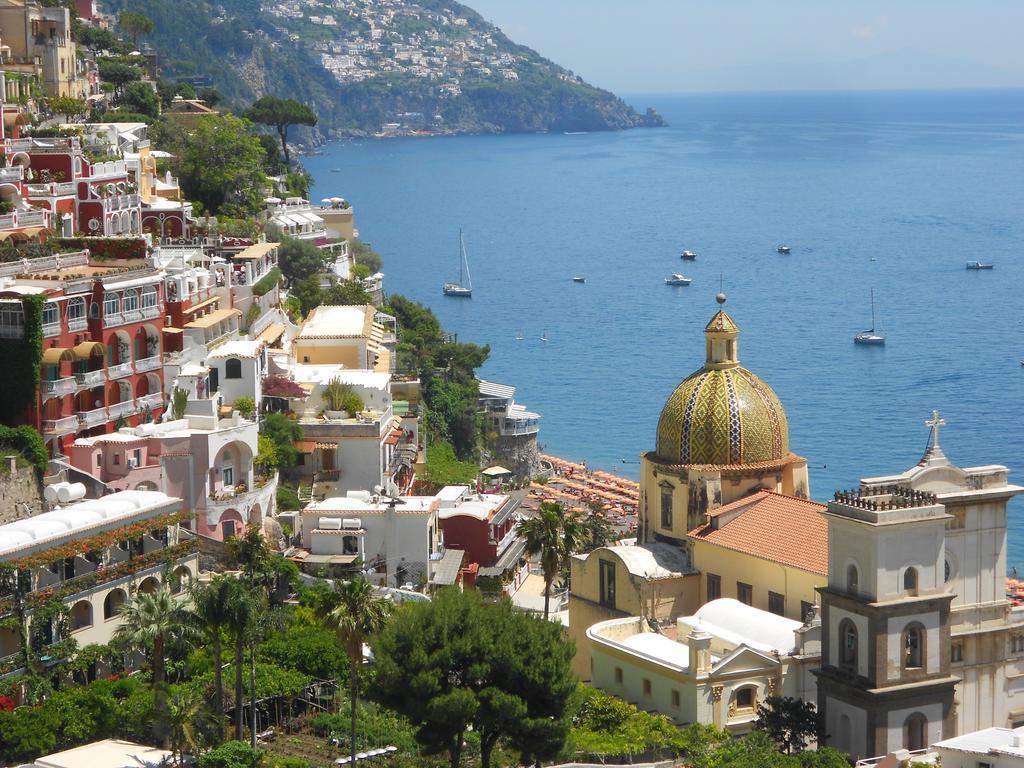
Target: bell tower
x: 885, y: 681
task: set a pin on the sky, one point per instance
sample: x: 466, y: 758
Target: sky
x: 668, y: 46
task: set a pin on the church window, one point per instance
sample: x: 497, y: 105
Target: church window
x: 912, y: 647
x: 852, y: 578
x: 744, y: 698
x: 714, y: 586
x: 847, y: 644
x: 915, y: 732
x: 607, y: 583
x: 956, y: 652
x: 666, y: 507
x: 777, y: 603
x: 910, y: 580
x: 744, y: 593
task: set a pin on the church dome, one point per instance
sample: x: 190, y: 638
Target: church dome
x: 722, y: 414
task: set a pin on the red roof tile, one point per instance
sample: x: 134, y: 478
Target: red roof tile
x: 778, y: 528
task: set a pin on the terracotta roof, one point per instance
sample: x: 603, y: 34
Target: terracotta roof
x: 774, y: 527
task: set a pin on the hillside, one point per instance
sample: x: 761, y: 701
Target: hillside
x: 428, y: 65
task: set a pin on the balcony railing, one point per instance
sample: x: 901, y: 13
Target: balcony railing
x: 119, y: 371
x: 91, y: 378
x: 11, y: 173
x: 153, y: 311
x: 155, y: 400
x: 125, y: 408
x: 23, y: 219
x: 59, y: 387
x: 77, y: 323
x: 93, y: 417
x: 147, y: 364
x: 60, y: 426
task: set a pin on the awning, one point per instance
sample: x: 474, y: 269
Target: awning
x: 202, y: 305
x: 57, y: 355
x: 271, y: 333
x: 87, y: 349
x: 33, y: 231
x: 213, y: 318
x: 306, y: 446
x: 394, y: 437
x: 447, y: 569
x: 496, y: 471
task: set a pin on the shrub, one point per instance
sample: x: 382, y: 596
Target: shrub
x: 360, y: 271
x: 246, y: 406
x: 335, y: 393
x: 28, y: 442
x: 287, y: 499
x: 352, y: 403
x: 232, y: 754
x: 267, y: 283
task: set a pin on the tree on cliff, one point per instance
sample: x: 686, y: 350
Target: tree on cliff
x: 282, y: 114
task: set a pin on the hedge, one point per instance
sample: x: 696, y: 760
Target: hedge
x: 266, y: 283
x: 108, y: 247
x: 22, y: 358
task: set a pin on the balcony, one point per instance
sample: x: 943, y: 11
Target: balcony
x: 11, y: 174
x: 152, y: 402
x: 153, y: 311
x: 91, y: 378
x: 117, y: 410
x: 59, y: 387
x: 77, y: 324
x: 148, y: 364
x: 63, y: 426
x: 119, y: 371
x: 93, y: 417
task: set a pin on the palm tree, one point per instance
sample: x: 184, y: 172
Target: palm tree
x: 360, y: 613
x: 212, y: 603
x: 242, y: 614
x: 150, y: 621
x: 188, y: 716
x: 554, y: 535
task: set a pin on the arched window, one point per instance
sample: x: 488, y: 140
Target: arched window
x: 81, y: 615
x: 666, y: 506
x: 131, y: 300
x: 111, y: 304
x: 51, y: 318
x: 852, y: 578
x: 910, y: 580
x: 847, y: 645
x: 149, y: 585
x: 76, y: 314
x: 744, y: 698
x: 913, y: 647
x: 149, y: 297
x: 232, y: 368
x: 915, y: 732
x: 112, y: 603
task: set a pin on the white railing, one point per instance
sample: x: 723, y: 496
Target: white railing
x: 91, y: 378
x: 59, y: 387
x: 147, y: 364
x: 153, y: 311
x: 119, y: 371
x: 151, y: 401
x: 131, y: 315
x: 78, y: 323
x: 52, y: 188
x: 60, y: 426
x: 12, y: 173
x: 125, y: 408
x: 114, y: 318
x: 23, y: 219
x: 93, y: 417
x: 51, y: 329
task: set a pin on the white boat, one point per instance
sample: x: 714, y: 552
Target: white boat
x: 870, y: 336
x: 688, y: 256
x: 783, y: 249
x: 979, y: 265
x: 458, y: 289
x: 677, y: 279
x: 519, y: 336
x: 579, y: 279
x: 544, y: 336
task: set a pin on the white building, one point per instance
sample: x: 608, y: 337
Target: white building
x: 237, y: 368
x: 988, y: 748
x: 713, y: 667
x: 109, y: 753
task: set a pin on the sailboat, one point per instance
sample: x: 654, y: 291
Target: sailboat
x: 458, y: 289
x: 869, y: 336
x: 519, y: 336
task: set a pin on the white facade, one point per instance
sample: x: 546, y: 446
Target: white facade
x: 989, y: 748
x: 240, y: 366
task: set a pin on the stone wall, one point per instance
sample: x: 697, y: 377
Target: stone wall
x: 19, y: 493
x: 518, y: 453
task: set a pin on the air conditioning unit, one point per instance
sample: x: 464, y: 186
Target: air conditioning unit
x: 132, y: 462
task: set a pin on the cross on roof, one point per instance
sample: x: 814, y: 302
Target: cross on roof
x: 935, y: 422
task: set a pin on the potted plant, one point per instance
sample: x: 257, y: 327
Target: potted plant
x: 334, y: 395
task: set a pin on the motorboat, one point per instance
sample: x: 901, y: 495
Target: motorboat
x: 458, y: 289
x: 677, y: 279
x: 579, y: 279
x: 783, y: 249
x: 870, y: 336
x: 688, y: 256
x: 979, y: 265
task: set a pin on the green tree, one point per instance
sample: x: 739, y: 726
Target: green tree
x: 360, y: 613
x: 791, y: 723
x: 135, y: 24
x: 454, y: 665
x: 68, y: 106
x: 281, y: 114
x: 220, y: 165
x: 243, y: 612
x: 179, y: 402
x: 232, y: 754
x: 299, y: 259
x: 245, y: 405
x: 214, y: 612
x: 118, y: 73
x: 346, y: 293
x: 149, y: 623
x: 187, y: 714
x: 273, y: 162
x: 554, y: 534
x: 266, y: 456
x: 364, y: 255
x: 140, y: 97
x: 283, y: 432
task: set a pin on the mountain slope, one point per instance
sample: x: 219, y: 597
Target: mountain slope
x: 428, y: 65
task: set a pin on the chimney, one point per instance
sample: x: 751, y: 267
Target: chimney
x: 699, y: 643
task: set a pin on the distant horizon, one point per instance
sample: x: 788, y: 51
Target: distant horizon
x: 852, y: 89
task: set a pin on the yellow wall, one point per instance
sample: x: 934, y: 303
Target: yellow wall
x: 764, y: 576
x: 346, y: 353
x: 340, y: 222
x: 657, y: 599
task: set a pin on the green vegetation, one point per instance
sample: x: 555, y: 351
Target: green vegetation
x: 179, y: 402
x: 135, y: 24
x: 267, y: 283
x: 341, y: 397
x: 68, y: 106
x: 26, y: 442
x: 282, y: 432
x: 554, y: 534
x: 281, y: 114
x: 22, y: 358
x: 453, y: 666
x: 364, y: 255
x: 246, y: 406
x: 791, y: 723
x: 443, y: 468
x: 308, y: 294
x: 300, y: 259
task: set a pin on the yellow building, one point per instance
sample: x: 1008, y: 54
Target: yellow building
x: 344, y: 335
x: 653, y: 581
x: 33, y: 33
x: 722, y: 435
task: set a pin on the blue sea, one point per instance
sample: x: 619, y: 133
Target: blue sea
x: 887, y: 191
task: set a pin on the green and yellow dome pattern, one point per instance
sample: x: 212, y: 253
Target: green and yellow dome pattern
x: 725, y: 416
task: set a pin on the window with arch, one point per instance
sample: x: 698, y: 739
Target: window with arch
x: 149, y: 297
x: 111, y: 304
x: 915, y: 732
x: 112, y: 603
x: 81, y: 615
x: 848, y: 643
x: 852, y: 578
x: 232, y: 368
x: 666, y: 506
x: 51, y: 318
x: 131, y: 301
x: 910, y: 580
x: 76, y: 313
x: 913, y: 647
x: 744, y: 698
